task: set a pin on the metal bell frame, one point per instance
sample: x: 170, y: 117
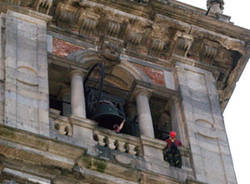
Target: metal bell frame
x: 105, y: 112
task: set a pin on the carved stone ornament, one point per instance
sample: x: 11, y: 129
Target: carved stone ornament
x: 110, y: 51
x: 43, y: 6
x: 184, y: 43
x: 215, y: 6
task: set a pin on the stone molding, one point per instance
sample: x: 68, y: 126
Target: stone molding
x: 31, y: 13
x: 82, y: 122
x: 140, y: 90
x: 77, y: 72
x: 155, y: 143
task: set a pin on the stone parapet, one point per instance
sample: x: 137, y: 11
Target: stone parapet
x: 121, y: 142
x: 144, y: 153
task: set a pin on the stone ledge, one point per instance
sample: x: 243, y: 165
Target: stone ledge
x: 190, y: 181
x: 82, y: 122
x: 28, y: 12
x: 27, y: 176
x: 39, y: 143
x: 155, y: 143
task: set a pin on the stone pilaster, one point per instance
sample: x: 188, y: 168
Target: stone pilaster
x: 204, y: 121
x: 26, y: 71
x: 83, y: 133
x: 77, y: 94
x: 144, y: 113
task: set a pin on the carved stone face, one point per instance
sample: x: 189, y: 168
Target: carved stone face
x: 110, y: 51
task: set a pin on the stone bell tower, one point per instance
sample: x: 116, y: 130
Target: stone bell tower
x: 165, y: 66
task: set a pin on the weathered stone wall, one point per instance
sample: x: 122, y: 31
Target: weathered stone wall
x: 26, y: 71
x: 209, y: 145
x: 1, y: 102
x: 2, y: 46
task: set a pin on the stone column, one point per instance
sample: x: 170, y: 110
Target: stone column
x: 77, y: 94
x: 144, y: 113
x: 152, y: 148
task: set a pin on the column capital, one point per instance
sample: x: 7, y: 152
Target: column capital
x: 76, y: 72
x: 140, y: 90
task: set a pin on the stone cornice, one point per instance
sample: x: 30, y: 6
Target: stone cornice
x: 30, y: 13
x: 170, y: 8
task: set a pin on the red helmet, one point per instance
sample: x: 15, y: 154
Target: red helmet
x: 172, y: 134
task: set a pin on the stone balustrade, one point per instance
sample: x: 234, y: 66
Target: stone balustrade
x: 121, y: 142
x: 60, y: 124
x: 152, y: 148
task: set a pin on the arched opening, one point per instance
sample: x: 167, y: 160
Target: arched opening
x: 118, y: 85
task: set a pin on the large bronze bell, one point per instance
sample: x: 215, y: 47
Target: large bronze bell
x: 100, y: 108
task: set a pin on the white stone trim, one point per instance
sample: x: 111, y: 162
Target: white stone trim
x: 27, y: 176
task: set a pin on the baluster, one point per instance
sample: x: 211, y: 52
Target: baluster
x: 101, y: 140
x: 111, y: 143
x: 131, y: 149
x: 121, y: 146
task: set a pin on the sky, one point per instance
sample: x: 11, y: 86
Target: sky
x: 237, y: 112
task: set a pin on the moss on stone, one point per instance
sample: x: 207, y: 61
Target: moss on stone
x: 100, y: 165
x: 7, y: 132
x: 85, y: 161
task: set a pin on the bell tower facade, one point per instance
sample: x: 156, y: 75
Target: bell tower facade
x: 90, y: 90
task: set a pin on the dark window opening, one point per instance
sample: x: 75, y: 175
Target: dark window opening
x: 161, y: 116
x: 54, y: 103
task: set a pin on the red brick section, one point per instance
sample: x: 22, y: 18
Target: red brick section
x: 63, y: 48
x: 156, y: 76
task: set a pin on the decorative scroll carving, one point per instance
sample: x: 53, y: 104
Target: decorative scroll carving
x: 43, y: 6
x: 134, y: 38
x: 158, y: 44
x: 209, y: 51
x: 88, y: 21
x: 113, y: 28
x: 67, y: 14
x: 136, y: 30
x: 184, y: 42
x: 159, y: 36
x: 88, y: 25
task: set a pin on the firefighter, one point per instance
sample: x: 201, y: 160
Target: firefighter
x: 172, y: 154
